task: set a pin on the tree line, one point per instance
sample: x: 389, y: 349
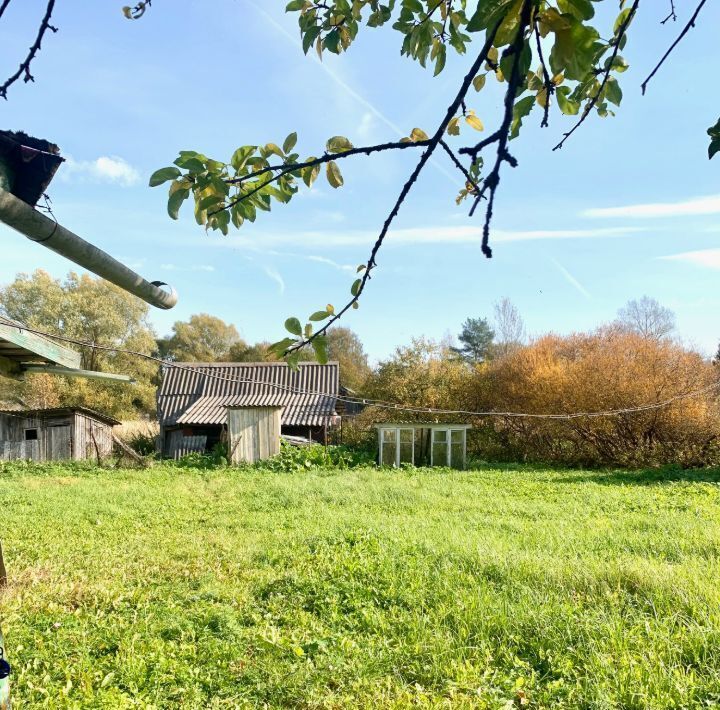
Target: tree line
x: 492, y: 366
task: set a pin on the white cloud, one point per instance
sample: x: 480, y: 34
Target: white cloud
x: 709, y: 258
x: 276, y: 277
x: 195, y: 267
x: 694, y: 206
x: 572, y: 280
x: 417, y: 235
x: 330, y: 262
x: 103, y: 169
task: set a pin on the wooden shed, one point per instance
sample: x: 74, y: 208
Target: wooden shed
x: 195, y: 399
x: 74, y: 433
x: 253, y: 433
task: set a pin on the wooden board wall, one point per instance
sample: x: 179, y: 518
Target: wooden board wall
x: 254, y: 433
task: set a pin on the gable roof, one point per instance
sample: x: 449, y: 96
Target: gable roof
x: 199, y: 393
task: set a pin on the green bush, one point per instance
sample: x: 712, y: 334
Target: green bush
x: 315, y: 456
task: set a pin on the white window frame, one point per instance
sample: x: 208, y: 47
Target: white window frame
x: 396, y: 436
x: 448, y: 443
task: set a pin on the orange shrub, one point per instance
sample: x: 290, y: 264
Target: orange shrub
x: 606, y: 370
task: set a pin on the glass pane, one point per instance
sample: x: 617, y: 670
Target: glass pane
x: 389, y: 448
x: 406, y: 435
x: 440, y: 453
x: 456, y: 456
x: 456, y: 436
x: 406, y: 445
x: 441, y: 435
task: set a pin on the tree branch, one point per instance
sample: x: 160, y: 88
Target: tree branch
x: 327, y: 158
x: 427, y: 154
x: 367, y: 150
x: 459, y: 165
x: 549, y: 86
x: 3, y: 7
x: 679, y: 39
x: 502, y: 135
x: 606, y: 74
x: 25, y: 66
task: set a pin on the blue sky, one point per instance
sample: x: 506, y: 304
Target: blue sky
x: 628, y: 207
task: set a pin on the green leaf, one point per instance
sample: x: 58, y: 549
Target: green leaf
x: 290, y: 142
x: 294, y: 5
x: 355, y: 288
x: 509, y: 26
x: 339, y: 144
x: 310, y: 174
x: 319, y: 315
x: 714, y: 133
x: 309, y: 37
x: 175, y: 200
x: 581, y: 9
x: 194, y: 165
x: 479, y: 82
x: 241, y: 155
x: 334, y: 176
x: 292, y: 325
x: 621, y: 19
x: 282, y: 345
x: 332, y: 41
x: 487, y: 14
x: 613, y: 92
x: 163, y: 175
x: 308, y: 330
x: 521, y: 109
x: 273, y: 148
x: 567, y: 106
x: 320, y: 346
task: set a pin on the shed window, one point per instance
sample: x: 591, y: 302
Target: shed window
x: 31, y: 434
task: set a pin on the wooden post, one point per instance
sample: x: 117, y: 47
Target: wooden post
x: 3, y: 571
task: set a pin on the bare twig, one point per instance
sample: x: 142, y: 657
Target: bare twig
x: 427, y: 154
x: 672, y: 16
x: 459, y: 165
x: 24, y: 68
x: 549, y: 86
x: 685, y: 30
x: 606, y: 74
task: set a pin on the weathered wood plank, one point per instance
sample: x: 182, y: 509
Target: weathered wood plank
x: 38, y: 347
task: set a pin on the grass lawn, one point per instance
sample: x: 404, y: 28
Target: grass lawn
x: 364, y: 588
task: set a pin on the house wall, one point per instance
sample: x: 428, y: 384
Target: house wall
x: 253, y: 433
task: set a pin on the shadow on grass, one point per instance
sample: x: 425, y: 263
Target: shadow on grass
x: 644, y: 477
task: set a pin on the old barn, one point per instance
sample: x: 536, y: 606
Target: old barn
x: 266, y: 400
x: 55, y: 434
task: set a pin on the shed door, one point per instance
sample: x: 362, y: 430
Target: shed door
x: 59, y: 443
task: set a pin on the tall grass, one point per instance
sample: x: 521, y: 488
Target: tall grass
x: 483, y: 589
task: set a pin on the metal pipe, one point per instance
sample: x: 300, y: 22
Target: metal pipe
x: 43, y: 230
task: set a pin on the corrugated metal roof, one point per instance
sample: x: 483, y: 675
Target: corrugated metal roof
x: 199, y: 393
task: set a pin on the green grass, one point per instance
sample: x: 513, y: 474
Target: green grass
x: 363, y: 588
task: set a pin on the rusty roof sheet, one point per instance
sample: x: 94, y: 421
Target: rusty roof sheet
x: 199, y: 393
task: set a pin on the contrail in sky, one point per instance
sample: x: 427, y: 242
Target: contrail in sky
x: 350, y: 91
x: 572, y: 280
